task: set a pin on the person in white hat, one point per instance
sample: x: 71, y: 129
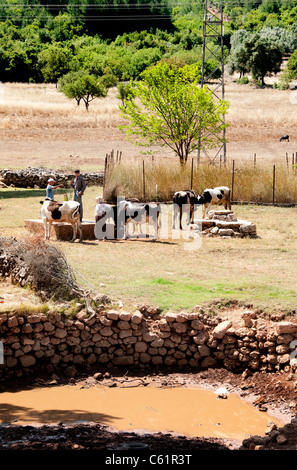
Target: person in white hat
x: 50, y: 188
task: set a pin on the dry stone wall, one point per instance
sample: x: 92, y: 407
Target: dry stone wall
x: 38, y: 177
x: 115, y: 338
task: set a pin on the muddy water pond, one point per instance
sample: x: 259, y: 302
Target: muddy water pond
x: 191, y: 412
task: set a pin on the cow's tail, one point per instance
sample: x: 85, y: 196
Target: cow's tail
x: 76, y: 213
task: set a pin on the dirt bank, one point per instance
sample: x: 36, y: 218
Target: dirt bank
x: 274, y: 393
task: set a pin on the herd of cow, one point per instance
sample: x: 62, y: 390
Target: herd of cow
x: 131, y: 211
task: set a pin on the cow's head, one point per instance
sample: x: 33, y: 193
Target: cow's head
x: 204, y: 198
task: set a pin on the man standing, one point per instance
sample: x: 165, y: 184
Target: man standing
x: 79, y: 187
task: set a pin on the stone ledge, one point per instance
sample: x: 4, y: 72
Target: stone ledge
x: 63, y: 230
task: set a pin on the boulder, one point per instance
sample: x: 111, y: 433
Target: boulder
x: 221, y: 329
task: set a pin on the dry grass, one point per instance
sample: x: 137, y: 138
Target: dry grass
x: 39, y: 126
x: 251, y: 183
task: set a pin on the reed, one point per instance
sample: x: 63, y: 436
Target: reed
x: 253, y: 183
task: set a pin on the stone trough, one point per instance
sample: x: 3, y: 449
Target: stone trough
x: 63, y: 230
x: 223, y: 223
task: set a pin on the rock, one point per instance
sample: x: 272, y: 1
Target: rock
x: 106, y: 331
x: 33, y: 318
x: 271, y: 426
x: 123, y: 325
x: 208, y: 362
x: 112, y: 315
x: 140, y: 346
x: 137, y: 318
x: 286, y: 327
x: 27, y: 361
x: 170, y: 317
x: 123, y: 361
x: 281, y: 439
x: 125, y: 316
x: 12, y: 322
x: 221, y: 329
x: 225, y: 232
x: 60, y: 333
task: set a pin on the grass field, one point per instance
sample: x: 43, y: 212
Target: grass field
x: 261, y: 271
x: 40, y: 127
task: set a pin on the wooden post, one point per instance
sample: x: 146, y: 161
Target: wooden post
x: 255, y: 159
x: 273, y: 185
x: 287, y: 159
x: 192, y: 171
x: 233, y: 171
x: 143, y: 179
x: 105, y: 175
x: 293, y: 156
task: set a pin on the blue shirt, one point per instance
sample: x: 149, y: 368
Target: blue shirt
x: 49, y: 191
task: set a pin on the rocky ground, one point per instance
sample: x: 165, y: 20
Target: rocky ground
x: 275, y: 393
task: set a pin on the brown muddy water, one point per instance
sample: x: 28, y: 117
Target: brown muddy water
x: 191, y: 412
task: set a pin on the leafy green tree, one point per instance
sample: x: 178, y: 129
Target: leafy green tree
x: 265, y: 55
x: 170, y: 108
x: 239, y: 53
x: 292, y: 65
x: 54, y: 62
x: 82, y: 86
x: 125, y: 92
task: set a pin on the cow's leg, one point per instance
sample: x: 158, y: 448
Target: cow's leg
x: 207, y: 209
x: 180, y: 217
x: 174, y: 215
x: 45, y: 229
x: 80, y: 231
x: 204, y: 210
x: 74, y: 228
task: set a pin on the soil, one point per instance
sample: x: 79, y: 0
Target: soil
x: 271, y: 392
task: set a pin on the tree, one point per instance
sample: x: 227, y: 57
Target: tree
x: 239, y: 54
x: 170, y: 108
x: 258, y: 53
x: 125, y: 92
x: 54, y: 62
x: 265, y: 55
x: 82, y: 86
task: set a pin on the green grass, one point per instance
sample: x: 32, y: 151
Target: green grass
x: 261, y: 271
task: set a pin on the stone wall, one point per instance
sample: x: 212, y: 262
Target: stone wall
x: 38, y: 177
x: 115, y: 338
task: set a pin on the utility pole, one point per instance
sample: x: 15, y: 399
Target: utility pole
x: 213, y: 48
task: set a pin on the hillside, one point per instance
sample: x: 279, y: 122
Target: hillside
x: 42, y: 42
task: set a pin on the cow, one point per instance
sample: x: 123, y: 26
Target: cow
x: 285, y: 137
x: 68, y: 211
x: 180, y: 200
x: 137, y: 213
x: 217, y: 196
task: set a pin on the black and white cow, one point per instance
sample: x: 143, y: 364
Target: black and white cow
x: 216, y: 196
x: 68, y: 211
x: 181, y: 201
x: 137, y: 213
x: 285, y: 137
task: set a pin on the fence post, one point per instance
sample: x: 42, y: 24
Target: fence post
x: 255, y: 159
x: 233, y: 169
x: 143, y: 179
x: 273, y: 185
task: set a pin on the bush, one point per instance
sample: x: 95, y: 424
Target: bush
x: 242, y: 81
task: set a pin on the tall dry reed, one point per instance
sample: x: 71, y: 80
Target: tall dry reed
x: 158, y: 180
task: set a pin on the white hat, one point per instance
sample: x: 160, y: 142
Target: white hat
x: 51, y: 180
